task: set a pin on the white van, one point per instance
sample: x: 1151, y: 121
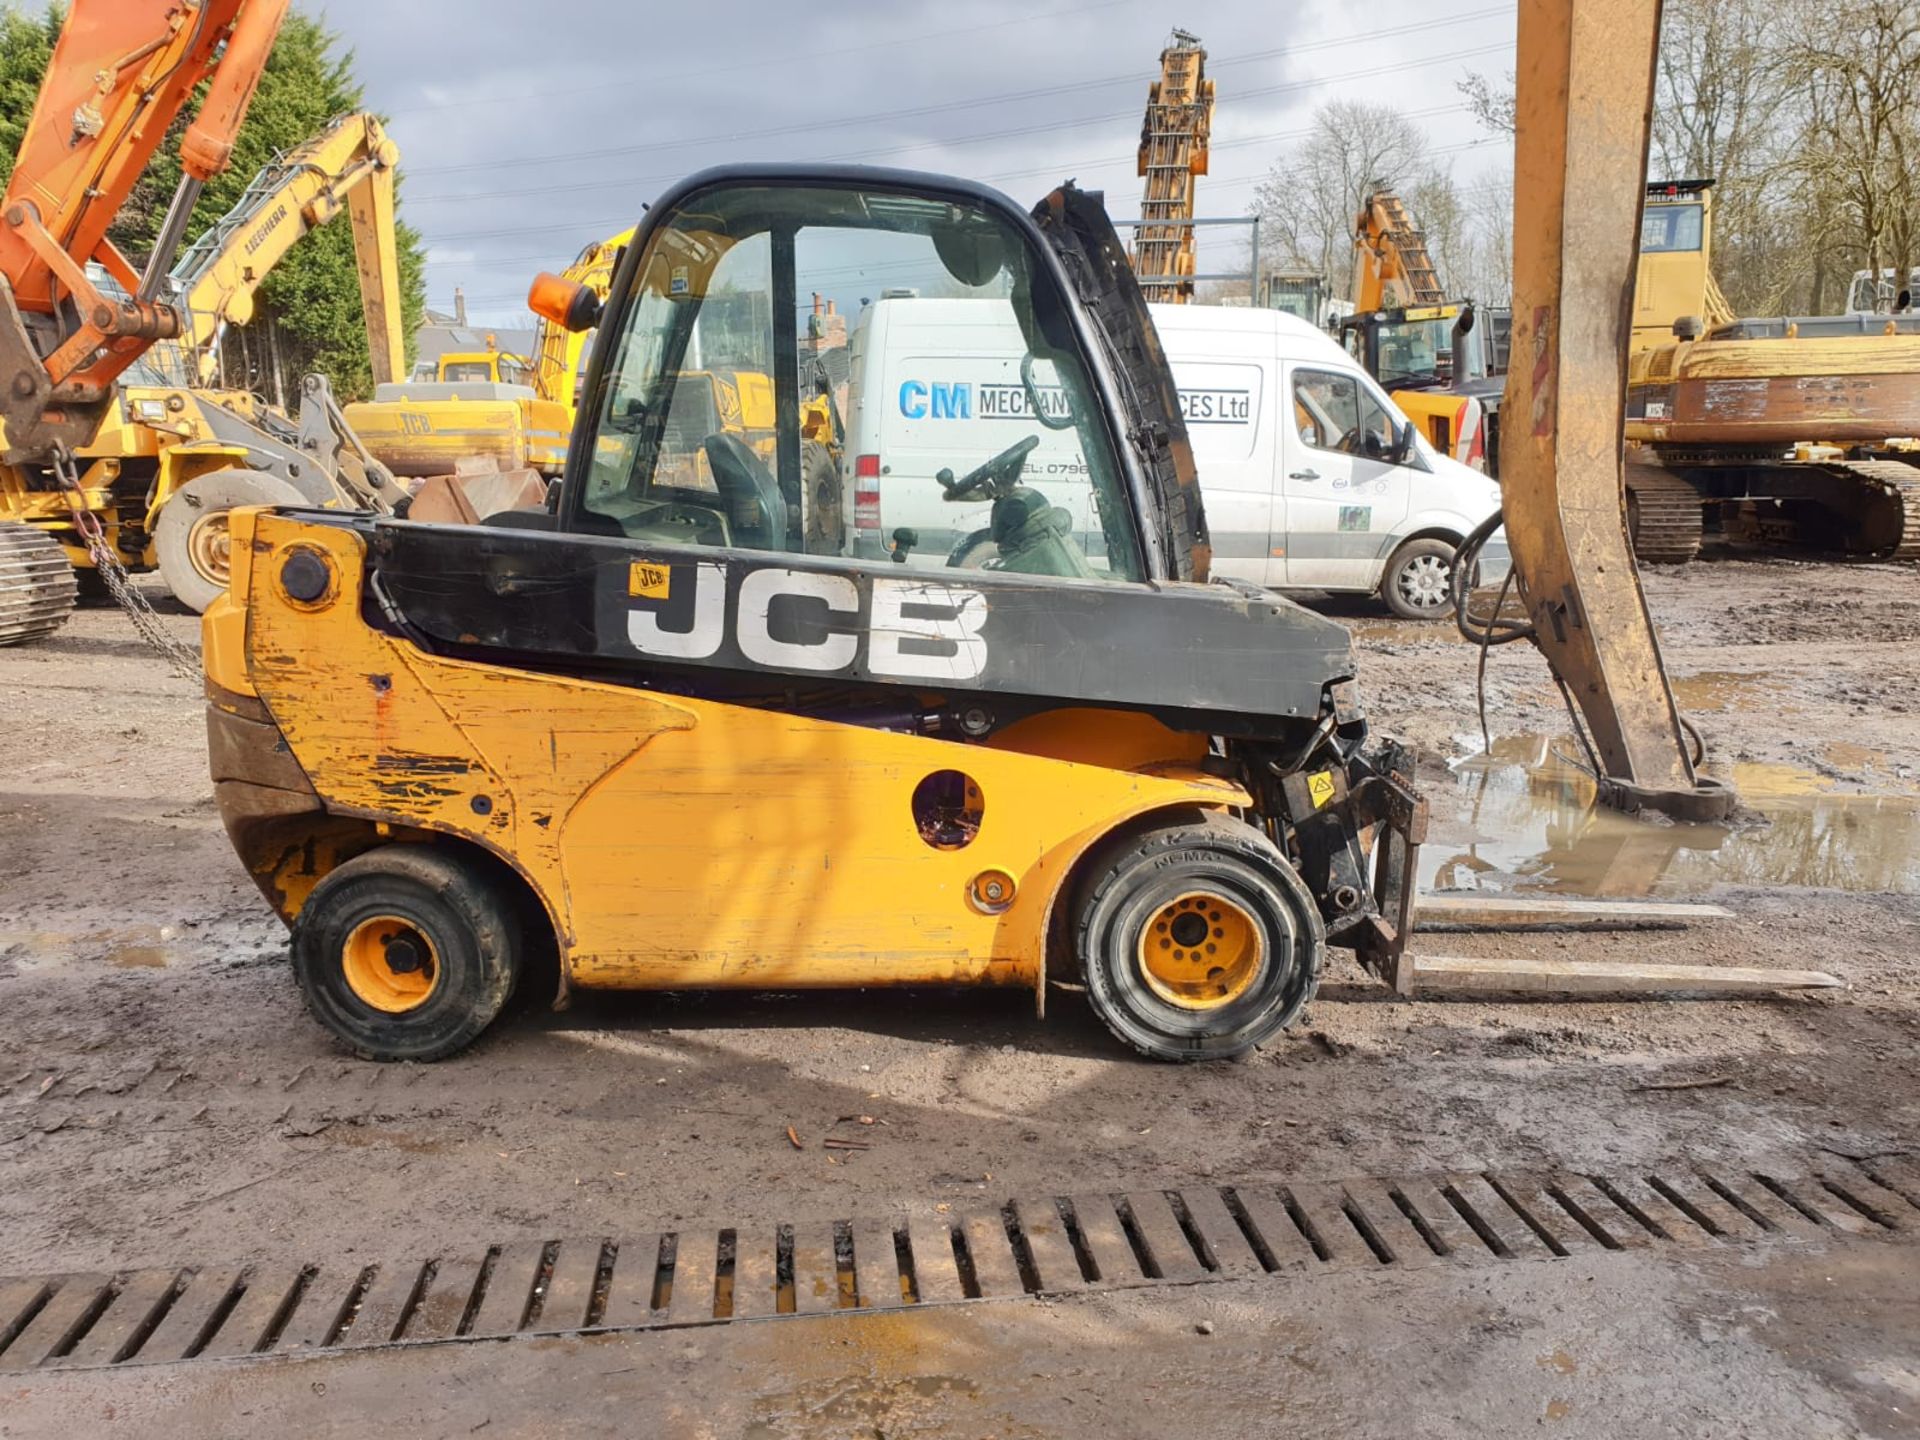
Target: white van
x: 1293, y: 442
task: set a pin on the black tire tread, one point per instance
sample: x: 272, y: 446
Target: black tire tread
x: 1109, y: 865
x: 461, y: 885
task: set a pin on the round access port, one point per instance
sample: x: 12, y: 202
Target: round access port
x: 947, y: 808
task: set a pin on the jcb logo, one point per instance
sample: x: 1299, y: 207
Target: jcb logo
x: 413, y: 423
x: 786, y: 619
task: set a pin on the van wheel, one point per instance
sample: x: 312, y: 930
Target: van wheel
x: 405, y: 953
x: 1197, y: 940
x: 1418, y: 584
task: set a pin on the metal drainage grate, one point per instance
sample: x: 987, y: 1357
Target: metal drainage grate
x: 712, y: 1274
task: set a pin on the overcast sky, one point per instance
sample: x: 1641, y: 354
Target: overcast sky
x: 492, y: 101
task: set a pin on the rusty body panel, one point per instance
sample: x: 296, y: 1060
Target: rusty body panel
x: 1584, y: 101
x: 1776, y: 391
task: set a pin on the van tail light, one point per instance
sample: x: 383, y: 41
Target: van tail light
x: 866, y: 492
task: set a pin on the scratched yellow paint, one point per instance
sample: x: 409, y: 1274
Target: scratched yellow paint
x: 681, y: 842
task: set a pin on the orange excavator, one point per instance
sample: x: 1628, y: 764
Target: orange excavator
x: 1422, y: 347
x: 122, y: 72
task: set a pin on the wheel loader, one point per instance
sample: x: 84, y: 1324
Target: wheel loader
x: 139, y: 476
x: 677, y: 736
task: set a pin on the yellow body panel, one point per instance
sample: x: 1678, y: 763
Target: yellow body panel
x: 1436, y: 412
x: 431, y: 437
x: 128, y: 470
x: 1669, y: 284
x: 680, y: 842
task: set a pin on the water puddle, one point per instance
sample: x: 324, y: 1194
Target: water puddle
x: 138, y: 957
x: 1524, y: 818
x: 140, y: 947
x: 1711, y: 690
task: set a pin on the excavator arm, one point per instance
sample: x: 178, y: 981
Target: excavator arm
x: 350, y: 165
x: 559, y: 355
x: 121, y: 72
x: 1391, y: 266
x: 1584, y: 101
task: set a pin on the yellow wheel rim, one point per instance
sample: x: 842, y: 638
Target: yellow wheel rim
x: 210, y: 548
x: 390, y: 964
x: 1201, y: 951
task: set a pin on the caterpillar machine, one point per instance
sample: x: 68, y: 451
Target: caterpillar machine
x: 111, y: 460
x: 1794, y: 431
x: 675, y: 737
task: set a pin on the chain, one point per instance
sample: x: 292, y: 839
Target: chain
x: 183, y: 660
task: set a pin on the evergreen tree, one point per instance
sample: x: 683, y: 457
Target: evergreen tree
x: 310, y: 305
x: 26, y: 45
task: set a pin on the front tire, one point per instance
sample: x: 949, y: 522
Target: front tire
x: 190, y: 537
x: 1419, y: 581
x: 1197, y: 940
x: 405, y: 953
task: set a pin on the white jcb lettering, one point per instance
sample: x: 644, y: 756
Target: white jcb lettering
x: 943, y: 633
x: 702, y: 641
x: 757, y: 594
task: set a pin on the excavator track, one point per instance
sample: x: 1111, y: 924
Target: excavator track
x: 1892, y: 536
x: 1664, y: 514
x: 37, y: 585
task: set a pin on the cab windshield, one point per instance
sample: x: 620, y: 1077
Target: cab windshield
x: 1408, y: 350
x: 723, y: 412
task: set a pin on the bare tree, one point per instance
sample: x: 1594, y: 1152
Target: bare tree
x: 1309, y: 200
x: 1859, y: 66
x: 1491, y: 104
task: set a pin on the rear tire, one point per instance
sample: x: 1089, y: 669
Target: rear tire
x: 820, y: 476
x: 37, y: 584
x: 1419, y: 581
x: 405, y: 953
x: 190, y: 536
x: 1197, y: 940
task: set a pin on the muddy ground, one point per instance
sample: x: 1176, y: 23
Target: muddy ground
x: 164, y: 1098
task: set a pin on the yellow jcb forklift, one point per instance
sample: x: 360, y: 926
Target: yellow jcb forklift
x: 680, y: 736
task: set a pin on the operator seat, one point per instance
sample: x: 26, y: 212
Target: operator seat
x: 755, y: 506
x: 1035, y: 537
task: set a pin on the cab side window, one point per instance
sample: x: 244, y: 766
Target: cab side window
x: 1334, y: 412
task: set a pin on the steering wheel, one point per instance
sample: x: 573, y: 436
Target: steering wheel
x: 1003, y: 468
x: 1065, y: 422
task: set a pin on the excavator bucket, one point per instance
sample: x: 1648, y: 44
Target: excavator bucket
x: 477, y: 490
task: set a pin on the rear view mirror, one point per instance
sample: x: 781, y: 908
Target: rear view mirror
x: 1402, y: 442
x: 567, y: 303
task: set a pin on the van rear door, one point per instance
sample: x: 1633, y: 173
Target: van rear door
x: 1228, y: 407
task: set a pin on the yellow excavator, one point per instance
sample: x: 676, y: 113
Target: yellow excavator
x: 479, y: 406
x: 1792, y: 431
x: 168, y: 454
x: 560, y: 354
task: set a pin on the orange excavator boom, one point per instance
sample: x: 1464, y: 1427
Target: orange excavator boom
x: 121, y: 72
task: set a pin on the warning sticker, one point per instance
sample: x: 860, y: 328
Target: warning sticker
x: 1320, y: 789
x: 649, y: 582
